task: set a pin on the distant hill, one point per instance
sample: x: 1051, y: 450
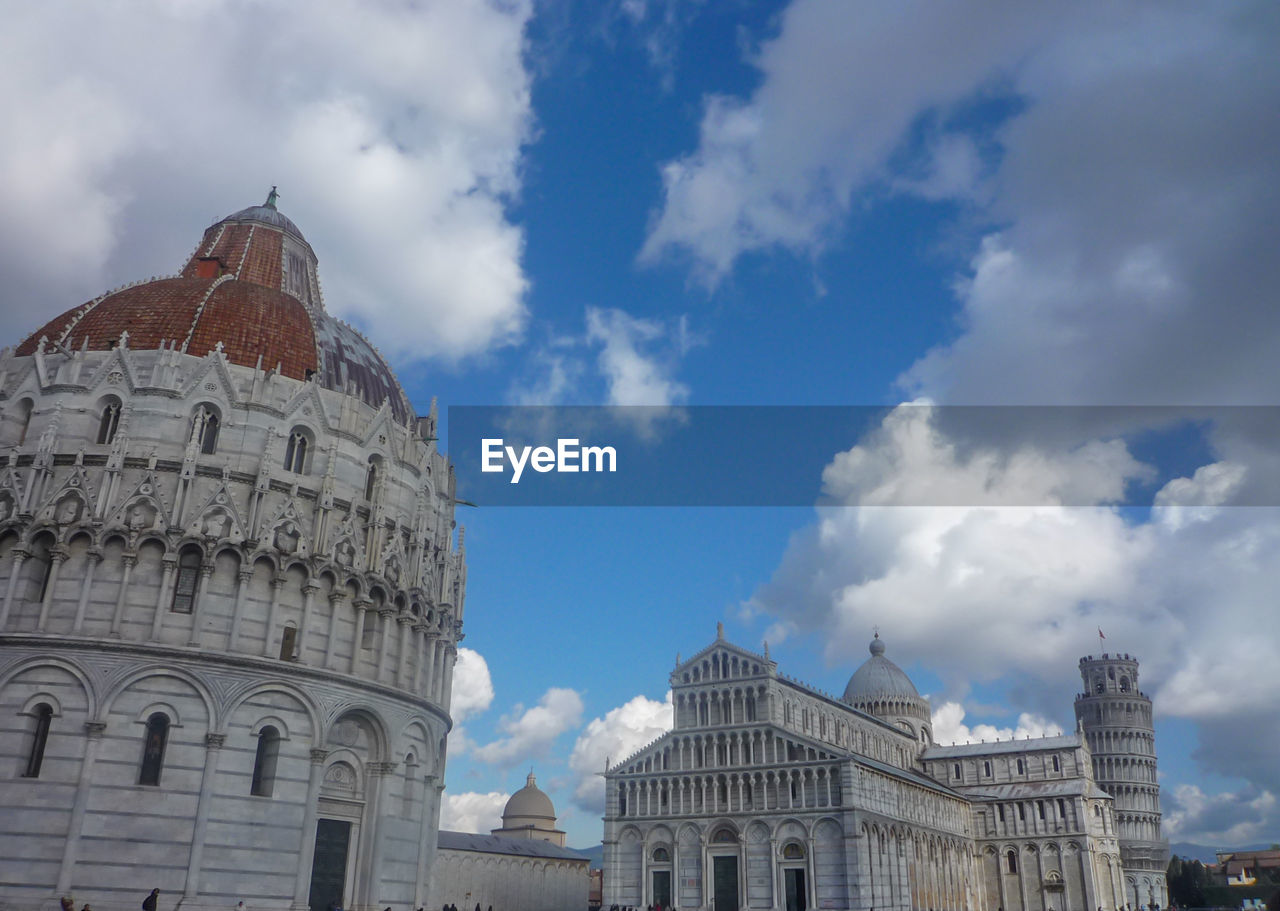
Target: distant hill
x: 1206, y: 854
x: 596, y: 853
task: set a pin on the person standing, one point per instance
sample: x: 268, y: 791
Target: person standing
x: 149, y: 903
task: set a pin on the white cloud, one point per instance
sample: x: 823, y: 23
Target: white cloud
x: 983, y: 593
x: 472, y: 811
x: 529, y: 733
x: 840, y: 86
x: 613, y: 738
x: 472, y: 686
x: 395, y: 133
x: 949, y: 727
x: 635, y: 373
x: 1227, y: 818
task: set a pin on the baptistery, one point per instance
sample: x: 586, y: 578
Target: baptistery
x: 232, y: 595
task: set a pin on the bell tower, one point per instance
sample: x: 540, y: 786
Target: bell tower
x: 1116, y: 719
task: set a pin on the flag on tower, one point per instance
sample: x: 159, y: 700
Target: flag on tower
x: 1100, y: 636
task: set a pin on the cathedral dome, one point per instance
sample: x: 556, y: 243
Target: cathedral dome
x: 252, y: 287
x: 530, y: 802
x: 879, y: 677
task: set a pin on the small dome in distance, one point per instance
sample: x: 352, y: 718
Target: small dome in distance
x: 530, y: 802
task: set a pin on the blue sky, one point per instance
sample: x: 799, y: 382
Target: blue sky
x: 670, y: 202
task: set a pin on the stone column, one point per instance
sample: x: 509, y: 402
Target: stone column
x: 95, y: 557
x: 307, y: 849
x: 206, y: 570
x: 157, y: 621
x: 212, y: 750
x: 58, y: 556
x: 70, y: 848
x: 379, y: 773
x: 277, y: 583
x: 308, y: 596
x: 428, y: 672
x: 243, y: 578
x: 403, y: 664
x: 446, y: 692
x: 337, y: 600
x: 18, y: 556
x: 117, y: 619
x: 384, y: 644
x: 357, y: 644
x: 420, y: 655
x: 426, y: 844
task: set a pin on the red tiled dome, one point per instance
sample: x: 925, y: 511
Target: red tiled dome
x: 252, y: 286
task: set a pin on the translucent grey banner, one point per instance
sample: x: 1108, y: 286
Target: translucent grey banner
x: 906, y: 455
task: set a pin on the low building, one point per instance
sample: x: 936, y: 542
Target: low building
x: 522, y: 866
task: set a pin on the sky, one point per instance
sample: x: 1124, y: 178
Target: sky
x: 682, y: 203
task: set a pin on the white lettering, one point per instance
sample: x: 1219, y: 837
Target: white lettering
x: 599, y: 453
x: 544, y: 459
x: 568, y: 456
x: 517, y: 463
x: 492, y: 459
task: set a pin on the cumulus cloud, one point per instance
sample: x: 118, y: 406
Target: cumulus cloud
x: 472, y: 811
x: 635, y: 372
x: 529, y: 733
x: 1130, y: 171
x: 394, y: 131
x: 613, y: 738
x: 949, y: 727
x: 990, y: 592
x: 1227, y: 818
x: 472, y: 686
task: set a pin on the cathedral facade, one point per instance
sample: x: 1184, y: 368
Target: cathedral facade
x: 231, y: 597
x: 768, y: 793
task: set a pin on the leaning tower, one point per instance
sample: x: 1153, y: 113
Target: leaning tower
x: 1116, y: 717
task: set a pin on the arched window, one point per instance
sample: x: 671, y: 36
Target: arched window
x: 264, y: 762
x: 793, y: 852
x: 184, y: 586
x: 25, y: 408
x: 1057, y: 764
x: 35, y: 757
x: 1021, y: 767
x: 288, y: 643
x: 153, y: 749
x: 661, y: 856
x: 955, y: 770
x: 110, y: 421
x: 205, y: 425
x: 371, y: 477
x: 1011, y: 861
x: 986, y: 768
x: 295, y: 453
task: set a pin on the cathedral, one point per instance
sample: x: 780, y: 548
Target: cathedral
x: 230, y: 597
x: 769, y: 793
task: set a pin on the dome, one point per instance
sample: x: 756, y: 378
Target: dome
x: 879, y: 677
x: 252, y: 287
x: 529, y: 802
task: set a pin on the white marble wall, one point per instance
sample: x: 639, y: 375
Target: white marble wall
x: 370, y: 582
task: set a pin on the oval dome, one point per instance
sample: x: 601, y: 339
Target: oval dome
x: 251, y: 286
x: 879, y: 677
x: 529, y: 801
